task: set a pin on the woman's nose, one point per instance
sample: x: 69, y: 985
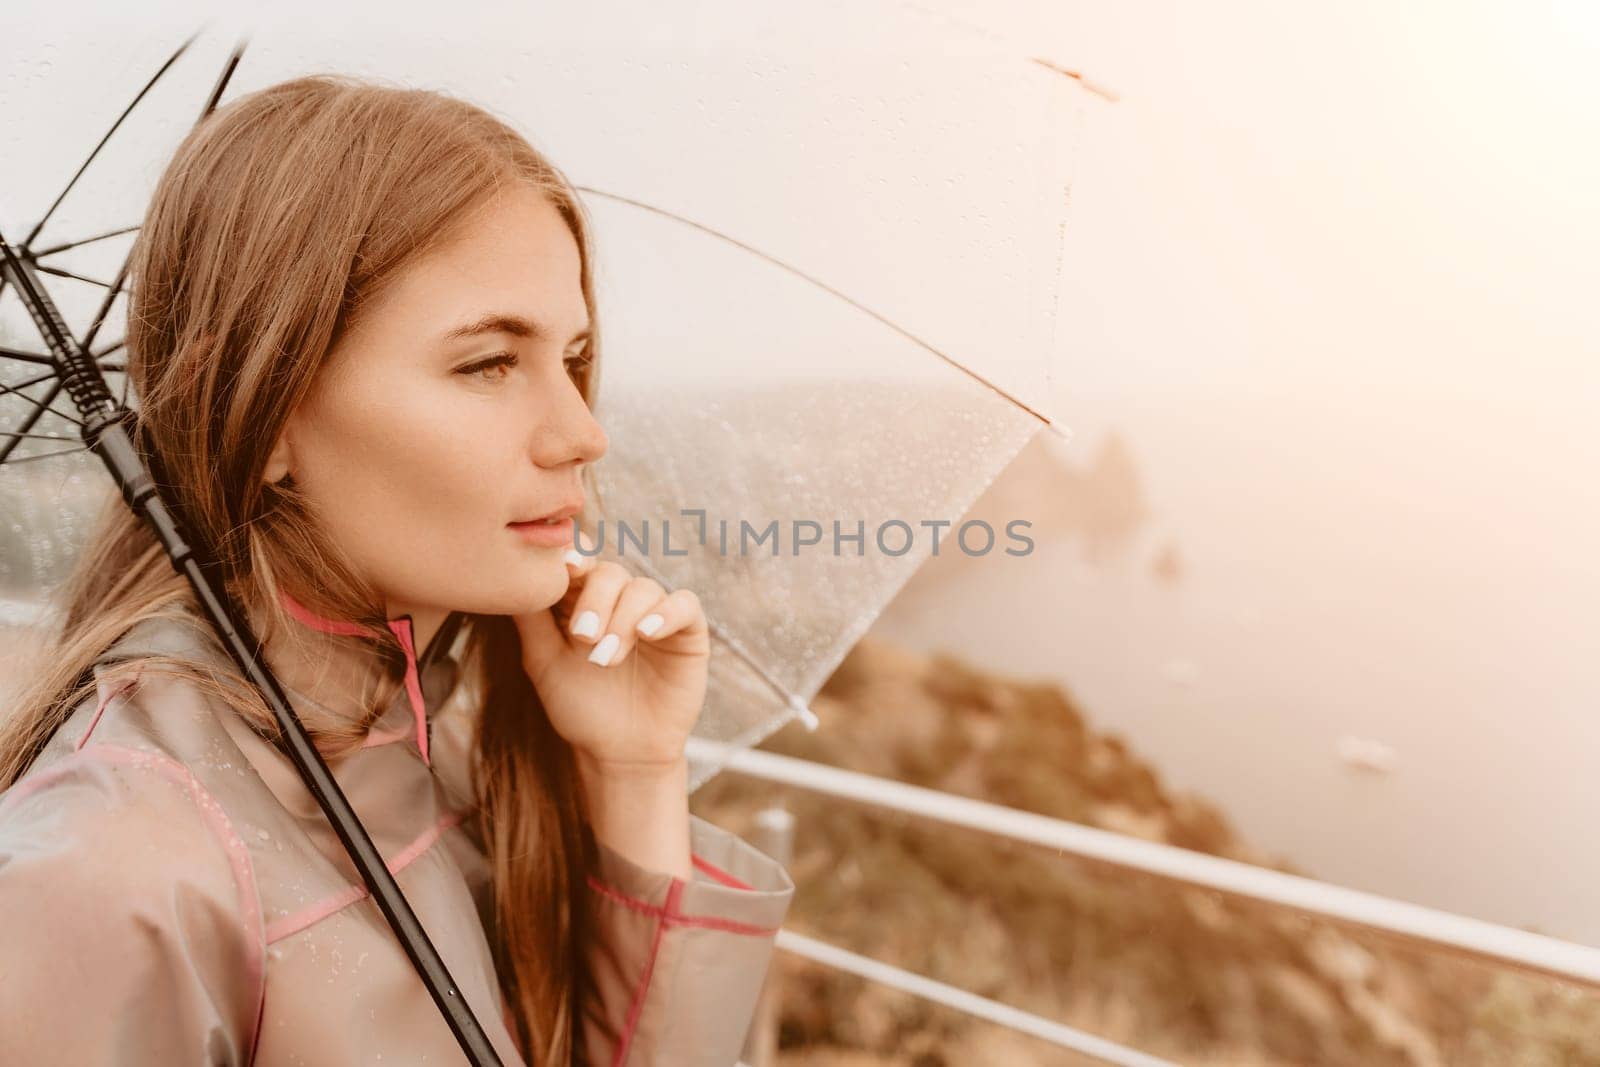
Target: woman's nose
x: 569, y: 430
x: 591, y: 438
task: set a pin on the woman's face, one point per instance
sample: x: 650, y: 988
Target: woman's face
x: 450, y: 410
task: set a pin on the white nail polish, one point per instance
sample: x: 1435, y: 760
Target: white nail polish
x: 587, y: 625
x: 650, y: 624
x: 574, y: 557
x: 605, y: 650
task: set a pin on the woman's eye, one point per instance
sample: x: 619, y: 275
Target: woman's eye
x: 577, y: 364
x: 500, y: 364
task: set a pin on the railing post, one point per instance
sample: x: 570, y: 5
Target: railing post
x: 774, y: 835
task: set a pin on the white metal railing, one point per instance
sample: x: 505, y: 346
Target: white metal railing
x: 1443, y: 929
x: 1475, y: 937
x: 773, y: 833
x: 971, y: 1003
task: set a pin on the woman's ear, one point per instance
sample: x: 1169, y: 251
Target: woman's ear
x: 279, y: 462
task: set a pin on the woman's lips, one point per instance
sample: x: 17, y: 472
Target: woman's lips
x: 545, y: 534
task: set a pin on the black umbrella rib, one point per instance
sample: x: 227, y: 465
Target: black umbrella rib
x: 114, y: 126
x: 38, y: 436
x: 17, y: 387
x: 26, y: 357
x: 115, y: 288
x: 40, y: 253
x: 112, y: 292
x: 27, y: 423
x: 81, y: 449
x: 62, y: 272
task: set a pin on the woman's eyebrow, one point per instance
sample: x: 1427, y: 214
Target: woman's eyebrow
x: 515, y: 325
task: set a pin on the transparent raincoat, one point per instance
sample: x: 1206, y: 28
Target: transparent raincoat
x: 171, y: 893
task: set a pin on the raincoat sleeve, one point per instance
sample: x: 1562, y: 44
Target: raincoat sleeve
x: 129, y: 931
x: 676, y: 966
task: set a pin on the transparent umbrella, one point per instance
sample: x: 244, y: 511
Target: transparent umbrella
x: 827, y: 258
x: 823, y: 340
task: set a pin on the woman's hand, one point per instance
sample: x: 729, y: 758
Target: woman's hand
x: 632, y: 715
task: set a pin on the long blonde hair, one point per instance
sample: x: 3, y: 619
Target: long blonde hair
x: 277, y: 219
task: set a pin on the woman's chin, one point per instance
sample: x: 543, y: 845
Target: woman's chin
x: 530, y: 586
x: 520, y: 583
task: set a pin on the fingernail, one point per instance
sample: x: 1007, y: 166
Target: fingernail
x: 587, y: 625
x: 650, y: 624
x: 605, y: 649
x: 574, y: 557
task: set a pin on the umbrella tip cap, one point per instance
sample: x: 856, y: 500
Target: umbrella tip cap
x: 806, y: 715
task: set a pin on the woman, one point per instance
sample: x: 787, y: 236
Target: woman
x: 363, y: 334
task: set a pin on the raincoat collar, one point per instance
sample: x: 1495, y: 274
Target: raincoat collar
x: 401, y: 627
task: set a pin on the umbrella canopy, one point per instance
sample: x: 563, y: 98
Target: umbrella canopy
x: 813, y: 332
x: 824, y: 336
